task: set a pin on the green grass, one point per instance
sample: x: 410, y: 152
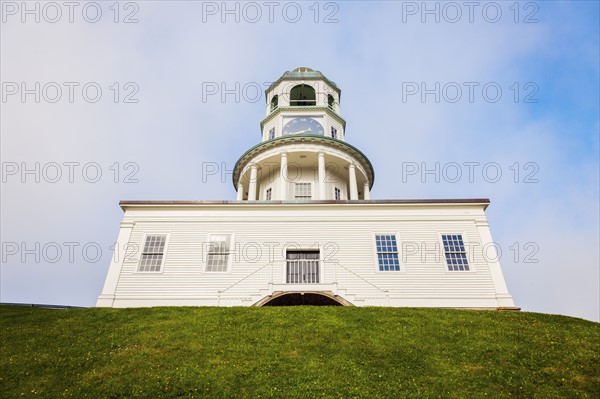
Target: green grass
x: 295, y: 352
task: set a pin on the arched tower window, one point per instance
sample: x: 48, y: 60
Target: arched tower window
x: 274, y: 103
x: 330, y: 101
x: 303, y: 96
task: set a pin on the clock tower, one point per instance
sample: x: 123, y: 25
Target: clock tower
x: 304, y: 193
x: 303, y: 154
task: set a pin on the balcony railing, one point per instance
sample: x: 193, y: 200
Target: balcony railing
x: 303, y: 103
x: 302, y: 272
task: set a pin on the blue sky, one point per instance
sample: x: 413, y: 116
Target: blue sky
x: 374, y: 51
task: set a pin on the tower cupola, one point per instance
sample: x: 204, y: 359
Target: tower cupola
x: 303, y: 154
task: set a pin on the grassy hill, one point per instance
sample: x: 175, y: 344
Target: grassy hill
x: 295, y: 352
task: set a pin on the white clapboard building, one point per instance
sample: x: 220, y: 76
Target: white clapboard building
x: 304, y: 229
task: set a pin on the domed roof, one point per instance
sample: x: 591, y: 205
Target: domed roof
x: 303, y: 73
x: 303, y: 69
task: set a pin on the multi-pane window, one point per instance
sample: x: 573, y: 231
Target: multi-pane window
x: 152, y: 253
x: 272, y: 134
x: 268, y: 194
x: 219, y: 250
x: 387, y: 252
x: 338, y: 193
x: 454, y: 249
x: 303, y: 191
x: 334, y: 133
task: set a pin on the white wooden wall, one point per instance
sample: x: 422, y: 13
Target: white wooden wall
x: 345, y: 235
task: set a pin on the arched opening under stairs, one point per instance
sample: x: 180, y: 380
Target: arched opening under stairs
x: 303, y: 299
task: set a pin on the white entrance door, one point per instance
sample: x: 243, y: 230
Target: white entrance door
x: 302, y: 267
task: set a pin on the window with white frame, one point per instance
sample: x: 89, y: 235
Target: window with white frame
x: 333, y: 132
x: 268, y: 194
x: 219, y: 251
x: 454, y: 249
x: 338, y: 193
x: 303, y: 191
x: 387, y: 252
x: 272, y: 134
x: 153, y: 253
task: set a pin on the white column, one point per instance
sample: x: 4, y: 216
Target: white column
x: 283, y: 187
x: 252, y: 187
x: 322, y: 176
x: 353, y: 184
x: 367, y: 194
x: 107, y: 297
x: 240, y: 192
x: 502, y: 296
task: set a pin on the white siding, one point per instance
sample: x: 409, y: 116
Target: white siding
x: 343, y: 232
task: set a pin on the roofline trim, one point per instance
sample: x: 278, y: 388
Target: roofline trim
x: 431, y: 201
x: 308, y: 109
x: 290, y: 139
